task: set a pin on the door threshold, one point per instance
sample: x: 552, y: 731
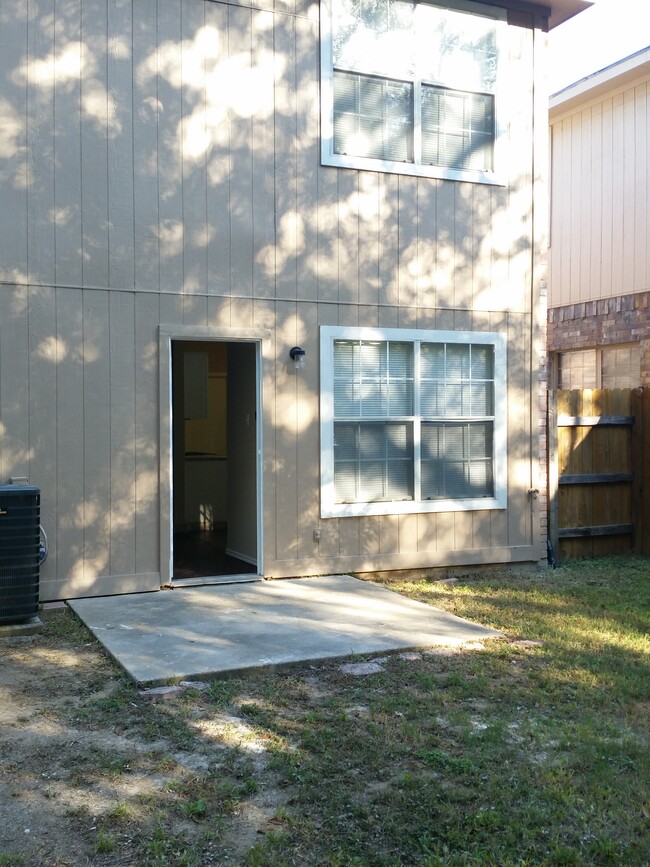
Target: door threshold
x: 177, y: 583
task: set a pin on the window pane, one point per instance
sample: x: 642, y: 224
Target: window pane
x: 373, y: 358
x: 401, y: 398
x: 374, y: 35
x: 373, y: 117
x: 454, y: 442
x: 398, y: 442
x: 456, y: 486
x: 432, y: 360
x: 372, y: 442
x: 432, y: 479
x: 432, y: 398
x: 399, y: 480
x: 432, y: 379
x: 374, y: 399
x: 431, y: 441
x: 347, y: 400
x: 621, y: 366
x: 401, y: 359
x: 373, y: 370
x: 373, y: 461
x: 345, y: 481
x: 482, y: 398
x: 577, y: 369
x: 372, y: 485
x: 480, y: 441
x: 345, y: 442
x: 347, y: 396
x: 346, y: 358
x: 456, y: 49
x: 480, y: 478
x: 454, y: 400
x: 399, y: 39
x: 457, y: 128
x: 400, y: 368
x: 456, y: 380
x: 373, y: 378
x: 482, y: 361
x: 457, y: 362
x: 456, y: 460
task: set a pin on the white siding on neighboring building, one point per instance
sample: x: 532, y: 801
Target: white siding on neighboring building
x: 600, y: 186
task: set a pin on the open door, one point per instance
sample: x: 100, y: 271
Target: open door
x: 215, y: 505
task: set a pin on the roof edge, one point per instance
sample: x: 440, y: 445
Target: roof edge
x: 555, y: 12
x: 591, y: 86
x: 561, y: 10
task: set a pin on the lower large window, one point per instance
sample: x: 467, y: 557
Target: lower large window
x: 409, y: 421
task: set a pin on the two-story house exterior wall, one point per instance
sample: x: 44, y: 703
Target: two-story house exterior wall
x: 190, y: 190
x: 599, y: 262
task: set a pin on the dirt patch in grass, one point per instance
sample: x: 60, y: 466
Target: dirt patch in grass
x: 91, y: 772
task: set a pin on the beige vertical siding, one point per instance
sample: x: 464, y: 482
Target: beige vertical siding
x: 63, y: 490
x: 13, y: 131
x: 160, y: 165
x: 91, y: 429
x: 601, y: 211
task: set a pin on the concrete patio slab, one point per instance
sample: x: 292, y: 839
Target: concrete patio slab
x: 225, y: 629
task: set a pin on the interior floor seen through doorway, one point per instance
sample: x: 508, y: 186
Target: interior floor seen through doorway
x: 202, y: 554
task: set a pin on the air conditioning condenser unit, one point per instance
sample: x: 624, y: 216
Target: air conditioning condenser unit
x: 19, y: 552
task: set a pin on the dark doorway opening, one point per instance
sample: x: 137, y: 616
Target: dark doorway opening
x: 214, y: 449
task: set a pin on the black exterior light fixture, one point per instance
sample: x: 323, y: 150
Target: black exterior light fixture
x: 297, y: 356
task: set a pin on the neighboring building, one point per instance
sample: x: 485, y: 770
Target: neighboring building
x: 599, y: 265
x: 190, y: 190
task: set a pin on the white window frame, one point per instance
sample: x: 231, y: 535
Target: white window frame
x: 329, y: 507
x: 330, y: 158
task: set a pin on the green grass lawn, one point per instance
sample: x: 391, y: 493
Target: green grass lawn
x: 510, y: 755
x: 533, y: 750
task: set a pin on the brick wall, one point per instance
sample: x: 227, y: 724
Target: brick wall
x: 623, y: 319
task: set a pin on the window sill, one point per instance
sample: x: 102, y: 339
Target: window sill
x: 343, y: 161
x: 410, y: 507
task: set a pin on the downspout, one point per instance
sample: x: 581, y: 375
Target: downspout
x: 539, y: 224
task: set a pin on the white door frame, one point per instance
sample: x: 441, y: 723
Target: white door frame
x: 168, y: 333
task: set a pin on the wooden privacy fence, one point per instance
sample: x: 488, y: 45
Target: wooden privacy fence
x: 599, y: 472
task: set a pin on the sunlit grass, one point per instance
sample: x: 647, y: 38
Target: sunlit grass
x: 515, y: 755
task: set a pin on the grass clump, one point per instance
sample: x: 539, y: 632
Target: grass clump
x: 105, y: 842
x: 163, y: 847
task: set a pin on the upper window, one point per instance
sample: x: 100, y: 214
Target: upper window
x: 409, y: 421
x: 410, y: 87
